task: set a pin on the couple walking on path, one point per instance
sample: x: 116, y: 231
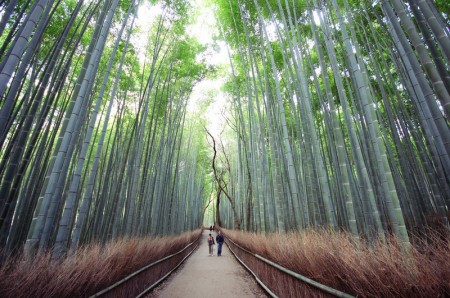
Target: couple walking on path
x: 219, y: 240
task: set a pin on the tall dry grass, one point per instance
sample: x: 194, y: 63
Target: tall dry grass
x: 89, y: 270
x: 333, y: 259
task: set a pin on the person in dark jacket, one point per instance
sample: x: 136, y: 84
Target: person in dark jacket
x: 219, y: 240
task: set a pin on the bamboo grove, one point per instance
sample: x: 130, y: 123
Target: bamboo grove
x: 95, y: 143
x: 340, y: 116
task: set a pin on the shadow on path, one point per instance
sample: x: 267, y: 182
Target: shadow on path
x: 205, y: 276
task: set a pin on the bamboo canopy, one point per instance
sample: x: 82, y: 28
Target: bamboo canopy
x: 337, y: 116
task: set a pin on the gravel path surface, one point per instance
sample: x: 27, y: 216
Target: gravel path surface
x: 205, y: 276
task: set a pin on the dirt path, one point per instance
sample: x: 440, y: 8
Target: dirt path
x: 205, y: 276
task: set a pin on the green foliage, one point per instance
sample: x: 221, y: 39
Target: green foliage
x: 185, y: 56
x: 129, y: 79
x: 444, y: 7
x: 271, y: 113
x: 229, y: 15
x: 277, y: 55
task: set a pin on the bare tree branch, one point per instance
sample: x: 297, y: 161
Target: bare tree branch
x: 221, y: 184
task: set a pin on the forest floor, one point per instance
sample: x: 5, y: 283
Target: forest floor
x: 209, y: 276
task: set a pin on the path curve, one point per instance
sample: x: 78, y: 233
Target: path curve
x: 205, y: 276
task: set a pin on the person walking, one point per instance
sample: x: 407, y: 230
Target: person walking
x: 219, y: 240
x: 210, y: 244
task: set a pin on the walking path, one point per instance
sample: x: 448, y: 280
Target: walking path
x: 205, y: 276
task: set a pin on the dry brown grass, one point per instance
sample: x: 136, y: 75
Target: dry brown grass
x: 89, y: 270
x: 333, y: 259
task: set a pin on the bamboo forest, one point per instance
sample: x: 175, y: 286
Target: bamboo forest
x: 126, y: 119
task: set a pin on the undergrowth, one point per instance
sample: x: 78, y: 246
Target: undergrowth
x: 89, y: 270
x: 334, y: 259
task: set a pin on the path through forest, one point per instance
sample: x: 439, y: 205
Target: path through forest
x: 205, y: 276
